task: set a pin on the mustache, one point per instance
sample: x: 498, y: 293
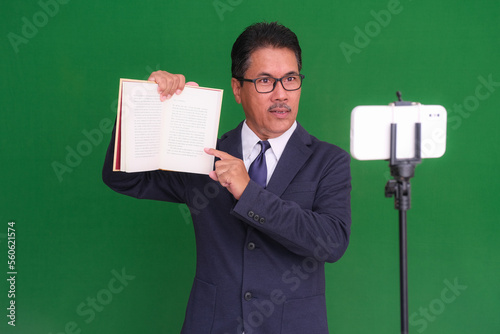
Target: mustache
x: 279, y: 106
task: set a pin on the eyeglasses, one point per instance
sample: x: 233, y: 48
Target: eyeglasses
x: 268, y: 84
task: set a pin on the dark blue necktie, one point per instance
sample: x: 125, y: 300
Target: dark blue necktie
x: 258, y: 168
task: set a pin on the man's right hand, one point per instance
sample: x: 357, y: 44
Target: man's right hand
x: 169, y: 84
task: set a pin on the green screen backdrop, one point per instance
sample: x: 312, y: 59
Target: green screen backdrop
x: 88, y: 260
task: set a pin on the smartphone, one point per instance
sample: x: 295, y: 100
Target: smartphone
x: 371, y: 131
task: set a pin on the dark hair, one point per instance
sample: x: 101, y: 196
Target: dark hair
x: 260, y: 35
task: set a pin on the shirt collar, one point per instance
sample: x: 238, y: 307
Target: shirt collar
x: 249, y: 139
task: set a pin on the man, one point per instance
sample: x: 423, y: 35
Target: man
x: 261, y: 248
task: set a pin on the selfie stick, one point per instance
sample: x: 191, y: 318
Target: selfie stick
x: 402, y: 170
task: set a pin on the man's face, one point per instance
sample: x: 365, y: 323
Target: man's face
x: 269, y: 115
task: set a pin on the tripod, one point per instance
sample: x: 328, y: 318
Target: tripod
x: 399, y: 187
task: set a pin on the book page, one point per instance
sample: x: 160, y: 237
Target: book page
x: 169, y: 135
x: 192, y: 121
x: 141, y: 118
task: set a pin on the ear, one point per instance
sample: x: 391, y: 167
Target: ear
x: 236, y: 85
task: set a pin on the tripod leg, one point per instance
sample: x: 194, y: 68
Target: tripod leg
x: 403, y: 257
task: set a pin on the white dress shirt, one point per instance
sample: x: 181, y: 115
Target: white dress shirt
x: 251, y: 148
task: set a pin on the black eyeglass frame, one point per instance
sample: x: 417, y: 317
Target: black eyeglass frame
x: 302, y: 76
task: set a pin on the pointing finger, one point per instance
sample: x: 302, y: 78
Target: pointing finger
x: 219, y: 154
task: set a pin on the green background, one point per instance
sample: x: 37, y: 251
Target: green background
x: 59, y: 87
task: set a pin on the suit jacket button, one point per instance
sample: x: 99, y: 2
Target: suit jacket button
x: 248, y: 295
x: 251, y: 214
x: 262, y: 220
x: 251, y: 246
x: 256, y: 218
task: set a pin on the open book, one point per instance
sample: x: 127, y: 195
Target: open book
x: 169, y: 135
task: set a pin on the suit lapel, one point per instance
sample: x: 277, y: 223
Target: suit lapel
x: 230, y: 142
x: 295, y: 155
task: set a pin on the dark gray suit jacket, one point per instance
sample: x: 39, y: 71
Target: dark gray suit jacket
x: 260, y: 260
